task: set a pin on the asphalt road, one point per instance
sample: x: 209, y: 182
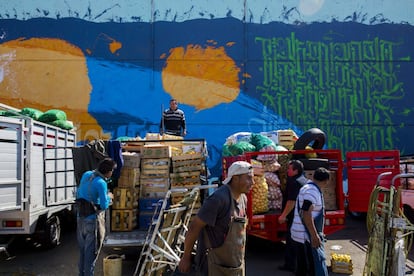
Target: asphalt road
x: 262, y: 257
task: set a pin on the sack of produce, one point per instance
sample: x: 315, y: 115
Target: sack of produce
x: 52, y: 115
x: 64, y: 124
x: 275, y: 196
x: 240, y: 148
x: 260, y: 202
x: 31, y: 112
x: 238, y: 137
x: 261, y: 141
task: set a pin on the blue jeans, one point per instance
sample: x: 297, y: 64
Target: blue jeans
x: 86, y: 235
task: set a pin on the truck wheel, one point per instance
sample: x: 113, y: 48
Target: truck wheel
x: 52, y: 232
x: 314, y: 134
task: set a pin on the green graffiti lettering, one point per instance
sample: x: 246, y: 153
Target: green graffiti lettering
x: 344, y: 88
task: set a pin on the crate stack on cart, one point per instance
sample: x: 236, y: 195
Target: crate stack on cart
x: 126, y: 194
x: 187, y: 170
x: 154, y: 180
x: 151, y: 168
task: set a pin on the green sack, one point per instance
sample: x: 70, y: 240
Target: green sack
x: 241, y: 147
x: 261, y: 141
x: 225, y: 151
x: 7, y: 113
x: 53, y: 115
x: 64, y: 124
x: 31, y: 112
x: 125, y: 138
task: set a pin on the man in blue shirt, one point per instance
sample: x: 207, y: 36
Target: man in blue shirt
x: 92, y: 199
x: 173, y: 120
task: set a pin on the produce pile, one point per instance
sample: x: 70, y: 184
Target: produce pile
x: 55, y: 117
x: 268, y: 172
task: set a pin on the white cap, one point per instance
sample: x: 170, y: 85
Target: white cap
x: 238, y: 168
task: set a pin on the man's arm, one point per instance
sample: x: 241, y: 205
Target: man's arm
x: 290, y: 205
x: 183, y: 126
x: 194, y: 230
x: 310, y: 225
x: 104, y: 197
x: 162, y: 124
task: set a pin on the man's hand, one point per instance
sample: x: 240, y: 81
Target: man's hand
x: 281, y: 219
x: 184, y: 132
x: 316, y: 241
x: 184, y: 266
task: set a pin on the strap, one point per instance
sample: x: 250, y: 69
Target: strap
x: 323, y: 205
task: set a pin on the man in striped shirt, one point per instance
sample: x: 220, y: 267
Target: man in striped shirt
x: 173, y: 120
x: 307, y: 227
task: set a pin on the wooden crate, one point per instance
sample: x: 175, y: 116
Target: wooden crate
x: 185, y: 179
x: 177, y: 197
x: 341, y: 263
x: 156, y: 151
x: 286, y: 138
x: 187, y: 162
x: 131, y: 159
x: 129, y: 177
x: 125, y: 198
x: 155, y: 163
x: 155, y: 173
x: 123, y: 220
x: 154, y: 190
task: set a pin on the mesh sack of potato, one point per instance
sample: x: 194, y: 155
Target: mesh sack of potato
x: 274, y: 196
x: 260, y: 202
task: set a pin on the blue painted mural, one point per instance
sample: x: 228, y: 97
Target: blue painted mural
x: 234, y: 66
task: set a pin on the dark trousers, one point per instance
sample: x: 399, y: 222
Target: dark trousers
x: 304, y: 260
x: 290, y: 251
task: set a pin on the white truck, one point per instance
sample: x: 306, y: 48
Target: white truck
x: 37, y: 183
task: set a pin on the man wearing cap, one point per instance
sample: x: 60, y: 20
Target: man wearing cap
x: 220, y: 227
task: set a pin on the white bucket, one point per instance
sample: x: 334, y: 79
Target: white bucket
x: 112, y: 265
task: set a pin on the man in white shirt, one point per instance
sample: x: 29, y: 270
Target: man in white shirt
x: 307, y: 227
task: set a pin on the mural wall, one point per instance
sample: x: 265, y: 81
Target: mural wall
x: 234, y: 66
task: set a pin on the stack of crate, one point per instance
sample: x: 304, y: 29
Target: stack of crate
x: 186, y: 173
x: 286, y: 138
x: 154, y: 180
x: 125, y: 203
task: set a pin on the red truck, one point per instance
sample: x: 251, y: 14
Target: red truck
x: 363, y: 168
x: 265, y: 225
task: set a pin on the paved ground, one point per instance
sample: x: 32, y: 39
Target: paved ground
x: 262, y: 257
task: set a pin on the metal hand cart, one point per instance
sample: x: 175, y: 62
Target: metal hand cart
x: 162, y: 249
x: 390, y: 232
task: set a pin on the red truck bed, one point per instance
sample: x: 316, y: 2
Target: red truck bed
x: 363, y: 168
x: 266, y: 226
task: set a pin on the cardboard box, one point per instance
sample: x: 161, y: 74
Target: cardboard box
x: 328, y: 190
x: 156, y: 151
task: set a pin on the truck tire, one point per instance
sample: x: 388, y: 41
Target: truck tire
x: 314, y: 134
x: 52, y: 232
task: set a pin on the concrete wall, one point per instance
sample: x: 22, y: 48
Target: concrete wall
x: 241, y: 65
